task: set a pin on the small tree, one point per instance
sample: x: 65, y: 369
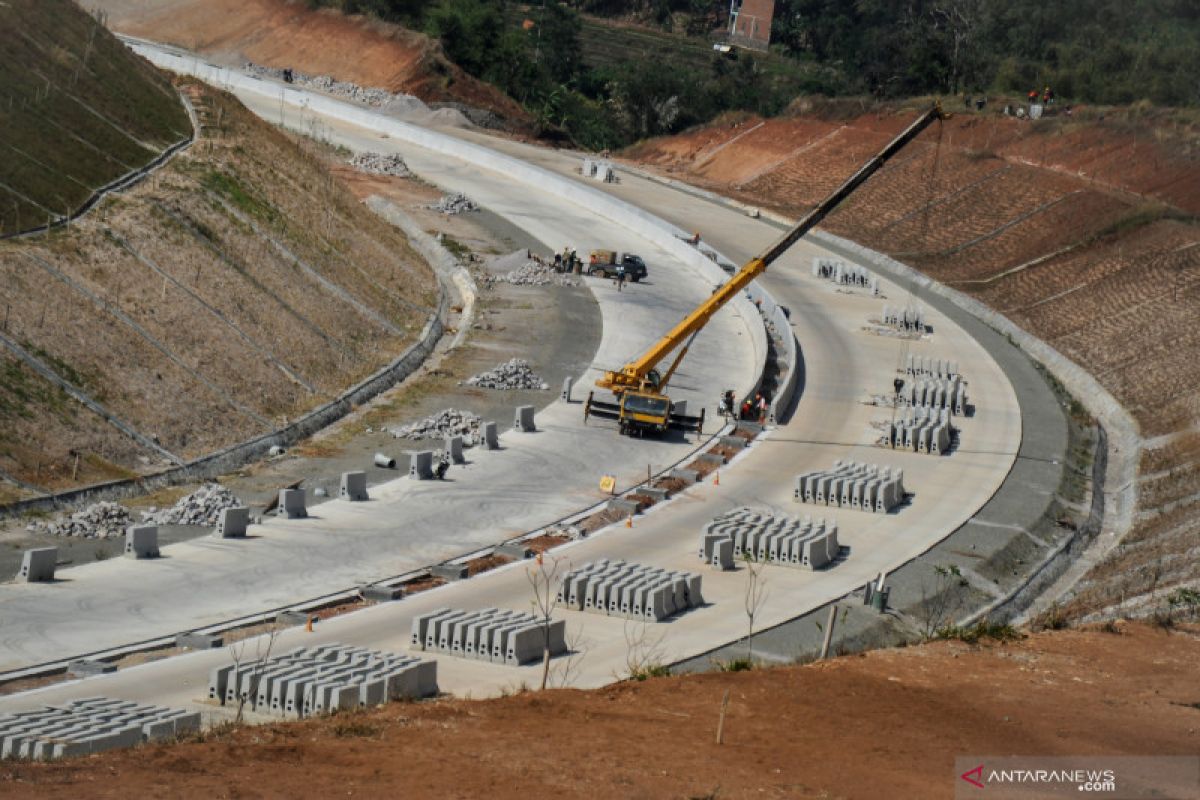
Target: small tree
x: 543, y: 578
x: 942, y: 601
x: 756, y: 596
x: 262, y: 655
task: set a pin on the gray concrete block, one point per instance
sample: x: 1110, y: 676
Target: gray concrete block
x: 623, y: 506
x: 354, y: 486
x: 141, y: 541
x: 491, y: 439
x: 514, y: 550
x: 84, y: 668
x: 37, y: 565
x: 523, y: 420
x: 711, y: 458
x: 737, y: 442
x: 382, y: 594
x: 453, y: 447
x: 292, y: 504
x: 689, y: 475
x: 565, y: 394
x: 655, y: 494
x: 199, y: 641
x: 449, y: 572
x: 232, y: 523
x: 420, y: 465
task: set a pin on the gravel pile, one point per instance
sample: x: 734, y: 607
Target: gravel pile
x: 534, y: 273
x: 380, y: 164
x: 455, y: 204
x: 103, y: 520
x: 515, y: 374
x: 201, y: 507
x: 448, y: 422
x: 377, y: 98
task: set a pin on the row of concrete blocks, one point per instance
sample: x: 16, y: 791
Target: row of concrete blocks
x: 845, y: 274
x: 635, y: 591
x: 948, y: 393
x: 90, y: 725
x: 746, y: 533
x: 864, y: 487
x: 904, y: 319
x: 490, y: 634
x: 922, y: 431
x: 600, y: 170
x: 319, y: 680
x: 925, y: 366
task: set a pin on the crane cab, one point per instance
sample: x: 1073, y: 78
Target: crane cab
x: 644, y: 412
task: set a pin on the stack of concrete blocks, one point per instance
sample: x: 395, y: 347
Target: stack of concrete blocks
x: 588, y: 169
x: 91, y: 725
x: 523, y: 421
x: 936, y: 393
x: 862, y: 487
x: 232, y: 523
x: 908, y: 320
x: 927, y: 367
x: 318, y: 680
x: 496, y: 635
x: 603, y: 171
x: 565, y: 394
x: 141, y: 541
x: 37, y: 566
x: 491, y: 439
x: 921, y: 430
x: 844, y: 274
x: 420, y: 465
x: 292, y: 504
x: 782, y: 540
x: 634, y: 591
x: 354, y: 487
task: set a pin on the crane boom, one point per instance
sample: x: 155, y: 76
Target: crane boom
x: 639, y: 374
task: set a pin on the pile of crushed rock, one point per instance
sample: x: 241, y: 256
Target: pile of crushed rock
x: 381, y: 164
x: 513, y: 374
x: 455, y: 204
x: 448, y: 422
x: 201, y: 507
x: 103, y: 520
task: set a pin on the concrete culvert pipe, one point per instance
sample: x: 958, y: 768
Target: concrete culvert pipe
x: 386, y: 462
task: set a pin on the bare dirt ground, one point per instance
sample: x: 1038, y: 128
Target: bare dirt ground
x: 886, y: 724
x: 278, y: 33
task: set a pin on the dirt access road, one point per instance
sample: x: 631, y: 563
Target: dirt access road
x: 887, y: 724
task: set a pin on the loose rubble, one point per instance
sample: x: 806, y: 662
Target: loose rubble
x: 376, y: 98
x: 381, y: 164
x: 103, y: 520
x: 455, y: 204
x: 201, y: 507
x: 514, y: 374
x: 532, y: 273
x: 448, y: 422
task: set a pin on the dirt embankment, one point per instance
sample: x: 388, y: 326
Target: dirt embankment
x: 279, y: 33
x: 237, y: 288
x: 901, y: 716
x: 1081, y: 229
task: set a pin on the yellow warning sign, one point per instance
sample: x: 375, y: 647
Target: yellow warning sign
x: 608, y: 484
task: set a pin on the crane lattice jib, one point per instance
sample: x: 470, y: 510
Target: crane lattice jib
x: 634, y: 374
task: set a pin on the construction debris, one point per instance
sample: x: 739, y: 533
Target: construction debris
x: 201, y: 507
x: 376, y: 98
x: 103, y: 520
x: 532, y: 273
x: 515, y: 374
x: 381, y: 164
x: 456, y: 203
x: 448, y: 422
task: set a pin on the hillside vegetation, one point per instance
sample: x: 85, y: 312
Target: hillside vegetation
x: 237, y: 288
x: 77, y: 109
x: 1082, y: 230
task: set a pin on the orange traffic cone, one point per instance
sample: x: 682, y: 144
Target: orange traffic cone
x: 717, y: 479
x: 629, y: 522
x: 308, y: 624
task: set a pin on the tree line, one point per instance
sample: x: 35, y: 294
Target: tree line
x: 1094, y: 51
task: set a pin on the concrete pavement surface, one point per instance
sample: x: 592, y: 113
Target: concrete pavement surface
x: 843, y: 366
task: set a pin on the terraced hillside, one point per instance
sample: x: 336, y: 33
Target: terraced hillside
x: 77, y: 110
x: 1081, y: 229
x: 237, y: 288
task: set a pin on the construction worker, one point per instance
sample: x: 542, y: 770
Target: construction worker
x: 1033, y: 97
x: 747, y: 409
x: 760, y: 403
x: 620, y: 277
x: 1047, y: 96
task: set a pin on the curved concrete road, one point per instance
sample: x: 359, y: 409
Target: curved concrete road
x: 843, y: 365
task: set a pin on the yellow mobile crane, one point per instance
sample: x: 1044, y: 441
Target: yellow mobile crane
x: 642, y: 403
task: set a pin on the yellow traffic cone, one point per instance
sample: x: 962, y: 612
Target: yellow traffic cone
x: 629, y: 522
